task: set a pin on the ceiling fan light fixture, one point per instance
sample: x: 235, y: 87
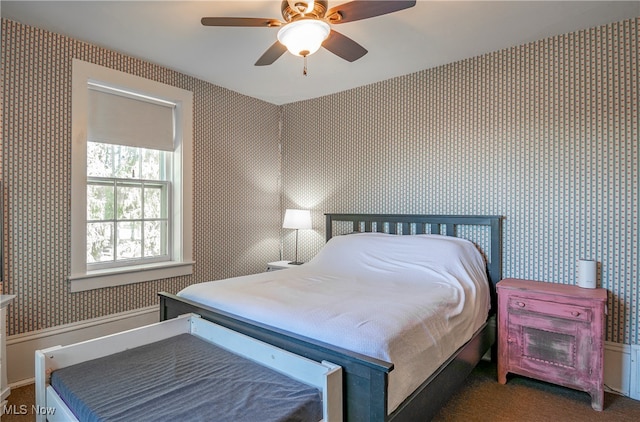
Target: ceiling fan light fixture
x: 304, y: 36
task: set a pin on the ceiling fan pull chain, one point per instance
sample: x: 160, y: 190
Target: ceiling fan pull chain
x: 304, y: 70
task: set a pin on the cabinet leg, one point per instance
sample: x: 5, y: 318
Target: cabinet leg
x: 597, y: 400
x: 502, y: 375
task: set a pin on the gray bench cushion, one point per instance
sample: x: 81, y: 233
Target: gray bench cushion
x: 183, y: 378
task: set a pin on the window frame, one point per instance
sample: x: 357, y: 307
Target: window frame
x: 80, y: 278
x: 165, y: 188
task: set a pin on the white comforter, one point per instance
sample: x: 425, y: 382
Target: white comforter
x: 409, y: 300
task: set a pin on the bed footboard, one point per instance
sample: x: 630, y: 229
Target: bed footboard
x: 364, y: 378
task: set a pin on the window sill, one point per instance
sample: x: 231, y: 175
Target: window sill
x: 122, y: 276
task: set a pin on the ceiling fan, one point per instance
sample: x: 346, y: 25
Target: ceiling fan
x: 307, y: 26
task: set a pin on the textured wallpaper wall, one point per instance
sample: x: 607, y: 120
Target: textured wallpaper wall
x: 544, y: 134
x: 236, y: 181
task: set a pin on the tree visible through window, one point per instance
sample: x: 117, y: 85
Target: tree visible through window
x: 127, y: 205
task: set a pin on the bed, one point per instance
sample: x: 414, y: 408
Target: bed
x: 375, y: 385
x: 159, y: 372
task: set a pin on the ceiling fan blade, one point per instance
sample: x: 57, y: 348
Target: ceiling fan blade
x: 361, y: 9
x: 272, y: 54
x: 343, y: 46
x: 221, y: 21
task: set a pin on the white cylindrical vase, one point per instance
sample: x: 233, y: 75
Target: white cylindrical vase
x: 587, y: 273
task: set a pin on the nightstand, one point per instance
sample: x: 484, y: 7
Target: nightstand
x: 4, y: 388
x: 554, y: 333
x: 280, y: 265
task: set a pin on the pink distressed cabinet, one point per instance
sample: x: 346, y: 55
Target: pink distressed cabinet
x: 554, y: 333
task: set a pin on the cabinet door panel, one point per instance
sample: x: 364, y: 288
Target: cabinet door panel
x: 549, y: 347
x: 552, y: 349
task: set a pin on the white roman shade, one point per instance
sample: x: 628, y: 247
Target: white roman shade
x: 121, y: 119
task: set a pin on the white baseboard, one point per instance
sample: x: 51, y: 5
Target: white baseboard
x: 635, y: 372
x: 617, y: 368
x: 21, y: 348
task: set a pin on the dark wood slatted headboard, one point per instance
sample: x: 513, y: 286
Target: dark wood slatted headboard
x: 419, y: 224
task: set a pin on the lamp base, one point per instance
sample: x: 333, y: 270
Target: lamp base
x: 295, y: 263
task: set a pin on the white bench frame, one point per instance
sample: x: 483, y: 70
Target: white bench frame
x: 325, y: 376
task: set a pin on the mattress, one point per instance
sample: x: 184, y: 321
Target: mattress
x: 408, y: 300
x: 183, y: 378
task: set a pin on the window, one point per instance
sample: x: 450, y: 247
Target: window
x: 131, y: 179
x: 128, y: 219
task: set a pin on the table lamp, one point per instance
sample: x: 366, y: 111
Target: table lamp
x: 296, y: 219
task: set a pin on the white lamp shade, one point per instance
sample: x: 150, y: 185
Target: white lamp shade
x: 297, y: 219
x: 304, y: 37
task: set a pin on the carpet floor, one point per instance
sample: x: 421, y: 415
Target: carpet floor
x: 480, y: 399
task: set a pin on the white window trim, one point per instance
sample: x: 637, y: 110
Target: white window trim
x: 181, y: 264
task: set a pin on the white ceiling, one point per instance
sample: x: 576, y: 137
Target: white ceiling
x: 430, y: 34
